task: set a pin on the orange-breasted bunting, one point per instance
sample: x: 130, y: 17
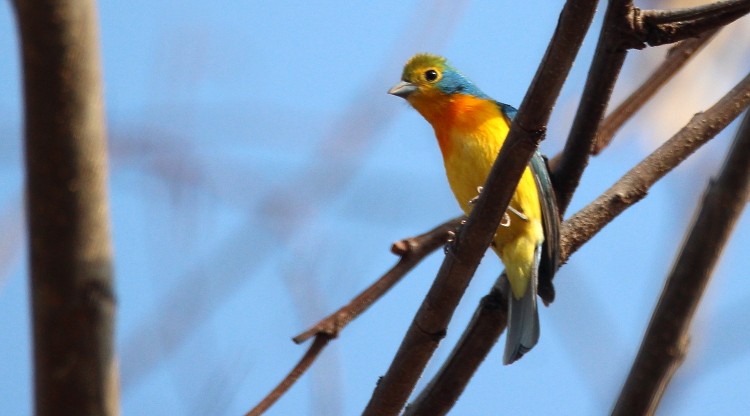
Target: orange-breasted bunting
x: 470, y: 128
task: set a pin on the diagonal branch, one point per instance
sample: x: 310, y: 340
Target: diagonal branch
x: 430, y: 323
x: 412, y: 251
x: 659, y: 27
x: 605, y: 68
x: 665, y: 343
x: 321, y: 340
x: 676, y: 59
x: 489, y: 319
x: 691, y: 14
x: 632, y: 187
x: 484, y: 329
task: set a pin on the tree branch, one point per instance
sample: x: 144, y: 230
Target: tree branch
x: 412, y: 251
x: 659, y: 27
x: 321, y: 340
x: 665, y: 343
x: 626, y: 27
x: 431, y: 321
x: 676, y: 58
x: 608, y: 59
x: 632, y: 187
x: 72, y: 294
x: 488, y: 322
x: 484, y: 329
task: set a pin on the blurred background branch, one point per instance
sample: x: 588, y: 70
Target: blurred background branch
x: 665, y: 343
x: 72, y: 294
x: 412, y: 251
x: 632, y: 187
x: 676, y: 58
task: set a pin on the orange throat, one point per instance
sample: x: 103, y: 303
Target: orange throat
x: 455, y: 115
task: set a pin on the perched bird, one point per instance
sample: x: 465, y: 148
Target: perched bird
x: 470, y: 128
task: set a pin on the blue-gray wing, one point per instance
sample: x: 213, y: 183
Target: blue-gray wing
x: 551, y: 224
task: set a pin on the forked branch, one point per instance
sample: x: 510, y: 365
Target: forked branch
x: 412, y: 251
x: 675, y: 60
x: 626, y: 27
x: 432, y: 318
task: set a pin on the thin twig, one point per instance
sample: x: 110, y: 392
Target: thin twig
x: 665, y: 343
x: 72, y: 288
x: 321, y: 340
x: 432, y: 318
x: 676, y: 58
x: 412, y: 251
x: 489, y: 320
x: 659, y: 27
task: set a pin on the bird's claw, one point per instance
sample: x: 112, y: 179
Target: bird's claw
x: 505, y: 221
x: 474, y: 200
x: 452, y: 236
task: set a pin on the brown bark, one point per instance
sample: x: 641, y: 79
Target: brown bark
x: 68, y: 222
x: 665, y: 343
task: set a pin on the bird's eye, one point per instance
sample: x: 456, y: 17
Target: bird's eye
x: 430, y: 75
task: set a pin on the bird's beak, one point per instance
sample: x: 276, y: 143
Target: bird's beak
x: 403, y: 89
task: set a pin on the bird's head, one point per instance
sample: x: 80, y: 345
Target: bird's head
x: 430, y: 77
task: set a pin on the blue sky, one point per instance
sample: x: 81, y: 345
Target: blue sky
x: 259, y: 173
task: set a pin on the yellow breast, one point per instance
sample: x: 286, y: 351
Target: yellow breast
x: 470, y: 155
x: 470, y: 143
x: 470, y: 132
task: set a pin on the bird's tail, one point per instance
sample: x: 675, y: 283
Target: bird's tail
x: 523, y: 318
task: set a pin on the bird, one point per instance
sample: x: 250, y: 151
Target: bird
x: 470, y: 128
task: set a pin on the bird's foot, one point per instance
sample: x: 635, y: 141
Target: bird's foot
x: 505, y: 221
x: 452, y: 236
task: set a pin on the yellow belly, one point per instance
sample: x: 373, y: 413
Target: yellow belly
x: 467, y: 167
